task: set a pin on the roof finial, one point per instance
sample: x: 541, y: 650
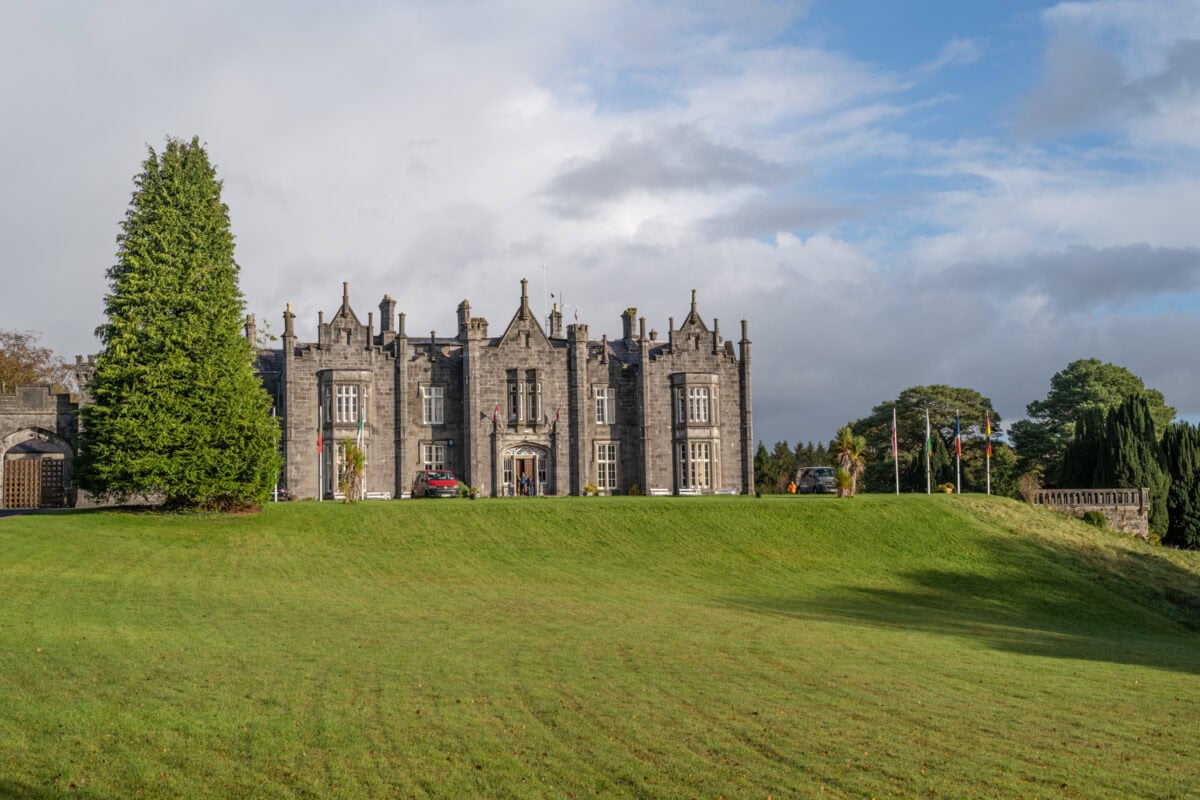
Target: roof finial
x: 693, y: 301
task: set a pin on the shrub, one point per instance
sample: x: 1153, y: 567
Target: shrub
x: 635, y: 491
x: 947, y: 487
x: 590, y: 490
x: 1096, y: 518
x: 1028, y: 486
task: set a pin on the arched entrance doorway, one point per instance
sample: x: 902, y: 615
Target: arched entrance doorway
x: 35, y: 470
x: 525, y: 471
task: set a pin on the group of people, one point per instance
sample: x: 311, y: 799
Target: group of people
x: 526, y: 486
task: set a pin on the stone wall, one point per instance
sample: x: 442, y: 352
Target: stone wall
x: 1125, y: 509
x: 37, y: 414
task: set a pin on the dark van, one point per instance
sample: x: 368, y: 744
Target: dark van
x: 814, y: 480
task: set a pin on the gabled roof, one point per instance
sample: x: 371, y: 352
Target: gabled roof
x: 693, y: 320
x: 345, y: 312
x: 524, y: 322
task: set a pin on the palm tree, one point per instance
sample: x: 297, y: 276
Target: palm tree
x: 850, y: 452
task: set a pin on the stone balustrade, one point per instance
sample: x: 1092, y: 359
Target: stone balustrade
x: 1125, y: 509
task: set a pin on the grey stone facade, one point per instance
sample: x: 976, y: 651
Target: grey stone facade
x: 38, y: 424
x: 565, y: 410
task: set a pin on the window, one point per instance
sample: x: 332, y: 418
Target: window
x: 606, y: 405
x: 347, y: 403
x: 433, y: 456
x: 514, y: 401
x: 432, y: 401
x: 694, y: 465
x: 606, y: 465
x: 533, y: 397
x: 698, y: 405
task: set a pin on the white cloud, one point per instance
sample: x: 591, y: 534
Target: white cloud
x: 412, y: 149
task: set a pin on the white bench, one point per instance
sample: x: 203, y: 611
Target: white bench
x: 659, y: 492
x: 727, y: 490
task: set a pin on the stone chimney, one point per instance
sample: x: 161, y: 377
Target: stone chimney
x: 387, y: 313
x: 628, y: 319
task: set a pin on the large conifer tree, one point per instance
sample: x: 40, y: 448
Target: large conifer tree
x: 1131, y: 457
x: 176, y: 409
x: 1181, y: 450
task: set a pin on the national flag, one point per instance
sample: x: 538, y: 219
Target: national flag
x: 496, y: 414
x: 957, y: 437
x: 320, y: 428
x: 895, y: 449
x: 928, y: 437
x: 987, y: 426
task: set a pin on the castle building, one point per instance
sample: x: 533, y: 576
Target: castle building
x: 555, y: 412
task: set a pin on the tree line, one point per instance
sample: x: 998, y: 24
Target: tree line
x: 1098, y: 426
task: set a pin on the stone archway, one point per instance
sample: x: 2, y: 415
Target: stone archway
x: 35, y: 470
x: 529, y: 461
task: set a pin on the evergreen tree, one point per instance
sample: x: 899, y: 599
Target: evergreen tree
x: 1087, y: 383
x: 941, y: 465
x: 784, y: 466
x: 1181, y: 453
x: 1081, y: 460
x: 766, y: 472
x: 177, y: 411
x: 1131, y: 457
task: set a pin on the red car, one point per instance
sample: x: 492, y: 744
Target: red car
x: 435, y: 483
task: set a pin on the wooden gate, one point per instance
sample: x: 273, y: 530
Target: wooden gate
x: 33, y: 482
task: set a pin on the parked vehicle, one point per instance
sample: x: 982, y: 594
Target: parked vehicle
x: 814, y: 480
x: 435, y: 483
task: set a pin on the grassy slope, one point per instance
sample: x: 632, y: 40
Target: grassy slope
x: 947, y: 646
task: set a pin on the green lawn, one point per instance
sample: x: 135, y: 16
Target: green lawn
x: 582, y: 647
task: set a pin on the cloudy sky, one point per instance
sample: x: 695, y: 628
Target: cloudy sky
x: 891, y: 193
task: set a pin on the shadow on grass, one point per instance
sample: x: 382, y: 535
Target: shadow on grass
x: 12, y: 790
x: 1094, y: 604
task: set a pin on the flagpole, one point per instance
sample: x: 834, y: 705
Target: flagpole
x: 957, y: 456
x: 320, y: 447
x: 928, y: 454
x: 275, y: 494
x: 362, y: 418
x: 988, y: 425
x: 895, y: 452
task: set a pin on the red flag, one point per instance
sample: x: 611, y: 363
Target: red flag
x: 988, y: 429
x: 496, y: 414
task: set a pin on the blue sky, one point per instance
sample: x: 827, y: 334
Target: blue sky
x: 892, y: 194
